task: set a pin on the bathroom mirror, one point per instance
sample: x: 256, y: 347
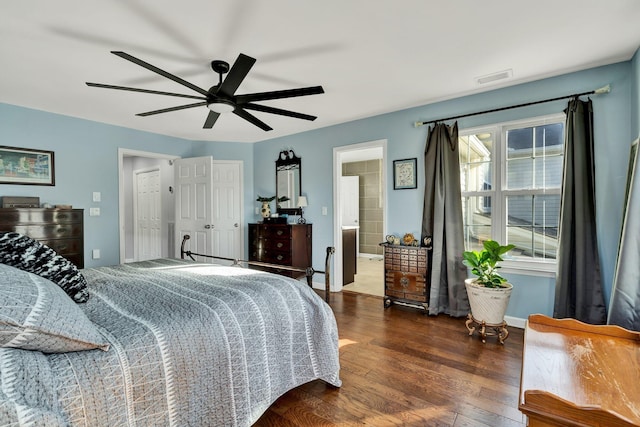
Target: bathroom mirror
x: 288, y: 182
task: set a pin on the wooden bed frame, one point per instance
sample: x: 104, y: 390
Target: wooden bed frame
x: 308, y: 272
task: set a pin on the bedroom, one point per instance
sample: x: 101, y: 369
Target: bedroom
x: 86, y: 150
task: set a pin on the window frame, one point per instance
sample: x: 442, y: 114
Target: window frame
x: 499, y: 193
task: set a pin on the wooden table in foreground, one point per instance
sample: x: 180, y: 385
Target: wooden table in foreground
x: 574, y: 374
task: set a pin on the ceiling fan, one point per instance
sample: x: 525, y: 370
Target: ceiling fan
x: 221, y: 98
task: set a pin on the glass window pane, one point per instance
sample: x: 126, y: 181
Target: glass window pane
x: 520, y: 174
x: 476, y: 214
x: 548, y: 172
x: 475, y: 161
x: 476, y: 177
x: 549, y: 138
x: 532, y: 225
x: 519, y: 143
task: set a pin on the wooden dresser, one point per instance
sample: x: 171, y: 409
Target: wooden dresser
x: 283, y: 244
x: 405, y: 275
x: 60, y: 229
x: 576, y: 375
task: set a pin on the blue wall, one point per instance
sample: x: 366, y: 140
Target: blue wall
x: 635, y: 95
x: 86, y: 161
x: 532, y: 294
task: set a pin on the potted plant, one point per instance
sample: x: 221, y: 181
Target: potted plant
x: 488, y: 293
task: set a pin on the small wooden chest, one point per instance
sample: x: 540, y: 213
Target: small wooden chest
x: 405, y: 271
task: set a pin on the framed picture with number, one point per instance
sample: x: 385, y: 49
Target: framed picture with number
x: 405, y: 174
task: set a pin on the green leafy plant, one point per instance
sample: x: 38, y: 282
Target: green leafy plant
x: 272, y: 198
x: 484, y: 263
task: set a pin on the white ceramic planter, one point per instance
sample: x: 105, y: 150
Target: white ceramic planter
x: 488, y: 304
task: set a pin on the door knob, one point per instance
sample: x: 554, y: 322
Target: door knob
x: 236, y: 225
x: 208, y: 226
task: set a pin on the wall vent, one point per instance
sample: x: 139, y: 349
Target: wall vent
x: 489, y: 78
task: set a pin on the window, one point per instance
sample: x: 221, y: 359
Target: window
x: 511, y: 180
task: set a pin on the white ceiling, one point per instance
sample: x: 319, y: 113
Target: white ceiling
x: 371, y: 56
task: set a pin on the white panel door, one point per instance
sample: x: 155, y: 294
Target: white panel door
x: 227, y: 212
x: 147, y: 215
x: 350, y: 200
x: 194, y: 204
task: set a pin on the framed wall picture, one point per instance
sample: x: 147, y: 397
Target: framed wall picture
x: 26, y: 166
x: 405, y: 174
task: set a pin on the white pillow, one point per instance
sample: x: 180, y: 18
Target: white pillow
x: 36, y: 314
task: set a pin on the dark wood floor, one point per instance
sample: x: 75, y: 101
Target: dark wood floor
x: 401, y: 367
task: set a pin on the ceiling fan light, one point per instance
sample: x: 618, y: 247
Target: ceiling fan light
x: 221, y: 106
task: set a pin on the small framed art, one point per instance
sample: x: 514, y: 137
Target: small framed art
x: 404, y: 174
x: 26, y: 166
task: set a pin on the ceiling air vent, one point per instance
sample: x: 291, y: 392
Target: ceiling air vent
x: 490, y: 78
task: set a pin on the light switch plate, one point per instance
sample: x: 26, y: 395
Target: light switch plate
x: 94, y: 211
x: 97, y: 196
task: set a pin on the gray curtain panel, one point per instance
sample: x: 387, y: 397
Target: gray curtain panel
x: 579, y: 283
x: 442, y: 219
x: 625, y: 299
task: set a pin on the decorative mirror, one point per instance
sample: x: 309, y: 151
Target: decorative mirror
x: 288, y: 182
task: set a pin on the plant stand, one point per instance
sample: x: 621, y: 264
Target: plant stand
x: 497, y: 329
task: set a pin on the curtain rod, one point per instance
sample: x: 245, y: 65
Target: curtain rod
x: 604, y: 89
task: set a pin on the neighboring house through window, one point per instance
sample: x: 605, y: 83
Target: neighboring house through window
x: 511, y: 181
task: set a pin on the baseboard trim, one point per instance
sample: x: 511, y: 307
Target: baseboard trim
x: 515, y: 322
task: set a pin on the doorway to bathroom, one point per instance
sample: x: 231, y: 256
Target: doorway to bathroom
x: 359, y: 193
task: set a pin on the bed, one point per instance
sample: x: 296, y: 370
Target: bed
x: 166, y: 342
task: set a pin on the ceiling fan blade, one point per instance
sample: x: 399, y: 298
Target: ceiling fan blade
x: 278, y: 94
x: 251, y: 119
x: 236, y: 75
x: 272, y: 110
x: 133, y: 89
x: 211, y: 120
x: 159, y: 71
x: 166, y: 110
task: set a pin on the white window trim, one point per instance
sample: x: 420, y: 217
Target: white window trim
x: 531, y: 267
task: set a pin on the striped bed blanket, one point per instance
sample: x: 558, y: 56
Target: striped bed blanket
x: 189, y: 344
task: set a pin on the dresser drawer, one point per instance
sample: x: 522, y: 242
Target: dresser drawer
x: 276, y: 232
x: 45, y: 231
x: 409, y: 282
x: 277, y: 244
x: 64, y: 246
x: 406, y: 285
x: 16, y: 216
x: 277, y: 257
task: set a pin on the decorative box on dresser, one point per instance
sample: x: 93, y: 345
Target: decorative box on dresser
x: 405, y: 275
x: 60, y: 229
x: 282, y: 244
